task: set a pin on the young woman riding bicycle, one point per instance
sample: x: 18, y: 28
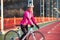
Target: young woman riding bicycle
x: 28, y: 19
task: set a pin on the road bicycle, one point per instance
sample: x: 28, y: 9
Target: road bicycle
x: 16, y: 35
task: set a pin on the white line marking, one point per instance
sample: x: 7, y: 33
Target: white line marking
x: 41, y: 38
x: 49, y: 32
x: 53, y: 28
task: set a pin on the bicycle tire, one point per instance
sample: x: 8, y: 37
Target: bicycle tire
x: 11, y: 35
x: 37, y: 34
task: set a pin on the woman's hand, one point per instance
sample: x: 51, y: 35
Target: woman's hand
x: 37, y: 26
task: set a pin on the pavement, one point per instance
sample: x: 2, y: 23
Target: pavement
x: 52, y: 31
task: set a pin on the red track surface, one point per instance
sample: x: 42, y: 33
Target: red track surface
x: 52, y: 31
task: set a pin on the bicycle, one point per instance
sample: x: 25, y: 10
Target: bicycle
x: 32, y: 35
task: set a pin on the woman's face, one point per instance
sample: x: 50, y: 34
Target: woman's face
x: 30, y: 8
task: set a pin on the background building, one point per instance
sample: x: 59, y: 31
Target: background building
x: 42, y: 8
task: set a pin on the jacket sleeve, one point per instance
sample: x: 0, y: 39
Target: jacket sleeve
x: 33, y: 20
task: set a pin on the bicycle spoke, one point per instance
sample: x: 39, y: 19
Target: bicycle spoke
x: 11, y: 35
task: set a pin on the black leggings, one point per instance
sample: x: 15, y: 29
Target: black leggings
x: 24, y: 29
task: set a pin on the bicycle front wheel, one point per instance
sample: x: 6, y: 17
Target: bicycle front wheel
x: 38, y: 36
x: 11, y: 35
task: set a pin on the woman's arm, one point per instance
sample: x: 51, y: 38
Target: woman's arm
x: 33, y: 19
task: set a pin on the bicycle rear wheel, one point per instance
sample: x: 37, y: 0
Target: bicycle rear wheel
x: 38, y: 36
x: 11, y: 35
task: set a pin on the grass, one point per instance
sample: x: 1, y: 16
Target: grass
x: 2, y: 36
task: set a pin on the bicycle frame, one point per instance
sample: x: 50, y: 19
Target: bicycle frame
x: 31, y: 31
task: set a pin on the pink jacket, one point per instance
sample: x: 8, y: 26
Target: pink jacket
x: 28, y: 18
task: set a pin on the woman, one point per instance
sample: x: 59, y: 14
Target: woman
x: 28, y: 19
